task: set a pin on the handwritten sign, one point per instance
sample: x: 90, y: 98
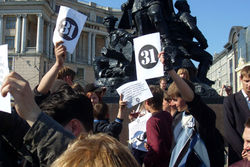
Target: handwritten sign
x: 135, y: 92
x: 69, y: 26
x: 146, y: 49
x: 4, y: 71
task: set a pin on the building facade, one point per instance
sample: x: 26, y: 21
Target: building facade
x: 227, y: 64
x: 27, y: 27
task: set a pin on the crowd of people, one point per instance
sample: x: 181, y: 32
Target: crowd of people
x: 62, y: 124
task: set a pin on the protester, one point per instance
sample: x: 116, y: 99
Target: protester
x: 228, y: 90
x: 66, y: 74
x: 183, y: 73
x: 99, y: 150
x: 166, y: 104
x: 139, y: 138
x: 158, y: 130
x: 236, y: 112
x: 163, y: 83
x: 197, y: 142
x: 101, y: 119
x: 246, y: 147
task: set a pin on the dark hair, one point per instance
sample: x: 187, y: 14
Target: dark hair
x: 66, y: 71
x: 65, y: 105
x: 100, y: 110
x: 156, y: 101
x: 247, y: 124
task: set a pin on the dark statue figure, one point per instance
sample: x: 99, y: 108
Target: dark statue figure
x: 116, y: 66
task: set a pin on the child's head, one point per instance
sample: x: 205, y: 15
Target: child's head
x: 175, y: 94
x: 101, y: 111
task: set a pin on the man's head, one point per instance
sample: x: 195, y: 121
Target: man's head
x: 163, y: 83
x: 154, y: 103
x: 67, y: 75
x: 177, y: 101
x: 245, y: 79
x: 71, y: 110
x: 246, y: 138
x: 182, y: 6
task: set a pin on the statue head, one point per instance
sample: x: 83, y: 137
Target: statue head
x: 109, y: 22
x: 182, y: 6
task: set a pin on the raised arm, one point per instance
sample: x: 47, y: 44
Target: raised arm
x: 186, y: 92
x: 49, y: 78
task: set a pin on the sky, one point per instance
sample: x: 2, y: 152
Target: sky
x: 214, y: 18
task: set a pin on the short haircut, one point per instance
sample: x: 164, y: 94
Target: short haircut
x: 66, y: 71
x: 95, y: 151
x: 100, y: 111
x: 65, y: 105
x: 185, y: 71
x: 247, y: 124
x: 173, y: 90
x: 163, y: 79
x: 245, y: 72
x: 156, y: 101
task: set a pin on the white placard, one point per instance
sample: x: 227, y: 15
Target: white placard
x: 137, y: 129
x: 135, y: 92
x: 69, y: 26
x: 4, y: 71
x: 147, y: 48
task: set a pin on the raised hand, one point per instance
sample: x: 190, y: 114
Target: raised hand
x: 20, y: 89
x: 60, y: 53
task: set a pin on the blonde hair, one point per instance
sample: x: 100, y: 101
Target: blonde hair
x: 185, y: 71
x: 245, y: 72
x: 99, y: 150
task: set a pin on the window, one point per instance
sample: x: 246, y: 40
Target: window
x: 10, y: 40
x: 10, y: 22
x: 99, y: 19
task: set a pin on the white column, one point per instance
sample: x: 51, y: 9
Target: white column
x: 51, y: 42
x: 48, y: 39
x: 24, y: 30
x: 18, y: 31
x: 1, y: 29
x: 39, y: 38
x: 93, y: 46
x: 89, y: 47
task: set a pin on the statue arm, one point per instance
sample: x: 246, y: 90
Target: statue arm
x: 127, y: 5
x: 190, y: 22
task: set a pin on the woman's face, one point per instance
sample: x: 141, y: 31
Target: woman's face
x: 94, y: 98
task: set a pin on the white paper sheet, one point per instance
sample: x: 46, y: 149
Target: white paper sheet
x: 135, y: 92
x: 69, y: 26
x: 147, y: 48
x: 4, y: 71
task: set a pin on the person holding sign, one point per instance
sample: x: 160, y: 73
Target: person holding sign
x: 101, y: 119
x: 197, y: 142
x: 158, y: 130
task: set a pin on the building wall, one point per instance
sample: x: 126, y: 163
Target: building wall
x: 228, y: 63
x: 30, y: 44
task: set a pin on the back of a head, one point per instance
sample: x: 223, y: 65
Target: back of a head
x: 156, y: 101
x: 100, y: 111
x: 99, y: 150
x: 245, y: 72
x: 66, y: 71
x: 65, y: 105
